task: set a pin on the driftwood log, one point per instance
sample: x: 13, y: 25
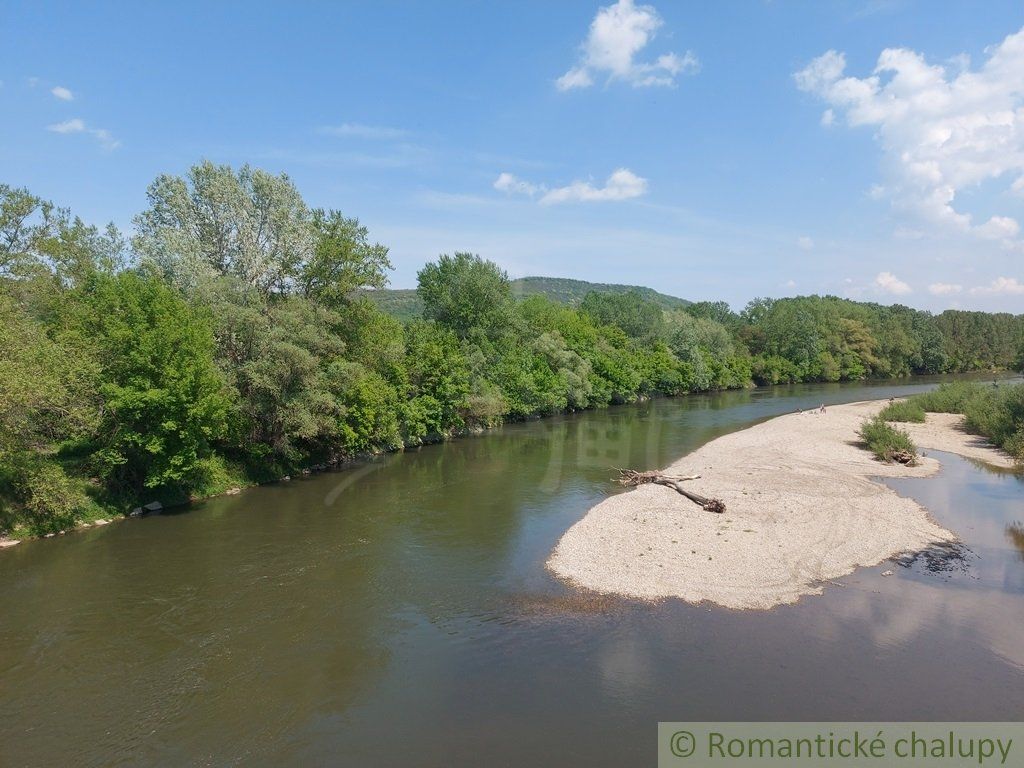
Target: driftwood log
x: 630, y: 478
x: 904, y: 457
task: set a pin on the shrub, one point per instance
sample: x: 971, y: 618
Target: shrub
x: 949, y: 398
x: 903, y: 410
x: 886, y: 441
x: 998, y: 414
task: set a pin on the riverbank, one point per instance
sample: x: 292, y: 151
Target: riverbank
x: 803, y: 508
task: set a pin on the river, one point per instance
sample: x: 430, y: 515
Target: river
x: 398, y: 613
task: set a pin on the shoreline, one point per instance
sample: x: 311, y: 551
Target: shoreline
x: 804, y: 507
x: 111, y: 515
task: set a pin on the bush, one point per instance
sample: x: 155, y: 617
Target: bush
x: 995, y: 412
x: 998, y: 414
x: 885, y: 440
x: 903, y: 410
x: 949, y: 398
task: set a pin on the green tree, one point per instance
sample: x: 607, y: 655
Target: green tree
x: 464, y: 292
x: 47, y: 395
x: 342, y: 259
x: 251, y: 225
x: 438, y: 381
x: 639, y: 318
x: 164, y: 404
x: 275, y: 355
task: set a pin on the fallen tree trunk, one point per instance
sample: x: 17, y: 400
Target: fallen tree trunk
x: 630, y: 477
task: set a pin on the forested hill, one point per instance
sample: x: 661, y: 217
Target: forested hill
x: 565, y: 290
x: 227, y: 340
x: 405, y: 303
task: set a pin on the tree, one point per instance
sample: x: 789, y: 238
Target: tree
x: 636, y: 316
x: 251, y: 225
x: 37, y: 238
x: 164, y: 403
x: 47, y: 395
x: 438, y: 380
x: 464, y: 292
x: 275, y: 355
x: 719, y: 311
x: 18, y: 231
x: 342, y: 259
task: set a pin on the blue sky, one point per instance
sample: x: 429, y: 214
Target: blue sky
x: 867, y: 148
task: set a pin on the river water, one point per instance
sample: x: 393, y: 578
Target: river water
x: 399, y: 613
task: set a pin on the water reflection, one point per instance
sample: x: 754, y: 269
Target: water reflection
x: 399, y: 613
x: 1015, y: 533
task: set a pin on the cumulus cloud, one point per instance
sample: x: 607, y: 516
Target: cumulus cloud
x: 1005, y: 286
x: 506, y: 182
x: 77, y: 125
x: 942, y: 128
x: 361, y: 131
x: 622, y: 184
x: 804, y: 243
x: 62, y: 93
x: 618, y: 34
x: 887, y: 282
x: 944, y: 289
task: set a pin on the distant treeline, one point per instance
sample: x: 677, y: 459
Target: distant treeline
x: 229, y: 340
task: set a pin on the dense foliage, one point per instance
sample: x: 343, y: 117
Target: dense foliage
x: 232, y: 340
x: 994, y: 411
x: 886, y: 441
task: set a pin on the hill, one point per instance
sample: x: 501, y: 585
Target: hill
x: 567, y: 291
x: 404, y: 304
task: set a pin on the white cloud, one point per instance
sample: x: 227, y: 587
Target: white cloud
x: 828, y: 118
x: 804, y: 243
x: 577, y: 77
x: 622, y: 184
x: 944, y: 289
x: 998, y: 228
x: 1006, y: 286
x: 506, y: 182
x: 62, y: 93
x: 74, y: 125
x: 943, y: 129
x: 77, y: 125
x: 887, y: 282
x: 360, y: 131
x: 617, y: 35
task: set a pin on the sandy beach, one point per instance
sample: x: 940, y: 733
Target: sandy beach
x: 803, y: 508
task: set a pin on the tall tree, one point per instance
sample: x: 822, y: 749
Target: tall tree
x: 342, y: 260
x: 464, y: 292
x: 251, y: 225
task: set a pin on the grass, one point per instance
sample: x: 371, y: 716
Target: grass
x: 885, y: 440
x: 993, y: 411
x: 950, y: 398
x: 903, y: 410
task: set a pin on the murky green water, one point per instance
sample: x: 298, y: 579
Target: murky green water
x: 399, y: 613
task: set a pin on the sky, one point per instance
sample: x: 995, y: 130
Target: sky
x: 872, y: 149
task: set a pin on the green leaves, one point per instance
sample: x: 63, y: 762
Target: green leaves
x: 164, y: 401
x: 464, y: 292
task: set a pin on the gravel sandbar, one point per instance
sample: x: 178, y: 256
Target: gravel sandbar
x: 802, y: 509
